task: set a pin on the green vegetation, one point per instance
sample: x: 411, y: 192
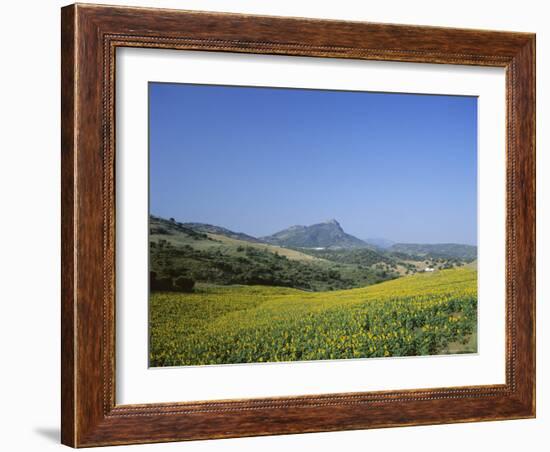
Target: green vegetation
x: 361, y: 256
x: 450, y: 251
x: 219, y: 296
x: 423, y: 314
x: 178, y: 251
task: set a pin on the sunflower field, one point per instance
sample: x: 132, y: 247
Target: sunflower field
x: 424, y: 314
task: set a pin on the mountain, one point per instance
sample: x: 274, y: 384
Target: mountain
x: 211, y: 229
x: 439, y: 250
x: 322, y: 235
x: 379, y: 242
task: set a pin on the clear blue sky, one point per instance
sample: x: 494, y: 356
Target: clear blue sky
x: 257, y: 160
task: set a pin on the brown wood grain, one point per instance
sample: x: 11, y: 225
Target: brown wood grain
x: 67, y: 224
x: 90, y: 36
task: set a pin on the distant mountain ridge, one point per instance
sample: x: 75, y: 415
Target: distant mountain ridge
x: 379, y: 242
x: 328, y: 234
x: 441, y: 250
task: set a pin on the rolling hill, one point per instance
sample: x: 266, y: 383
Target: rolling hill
x: 439, y: 250
x: 317, y: 257
x: 210, y: 228
x: 177, y: 250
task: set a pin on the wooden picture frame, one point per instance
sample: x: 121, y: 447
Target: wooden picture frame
x: 90, y: 36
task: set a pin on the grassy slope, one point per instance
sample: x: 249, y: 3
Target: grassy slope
x: 226, y: 260
x: 287, y: 252
x: 421, y: 314
x: 231, y: 245
x: 177, y: 238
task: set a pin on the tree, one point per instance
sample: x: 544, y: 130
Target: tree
x: 160, y: 283
x: 184, y: 284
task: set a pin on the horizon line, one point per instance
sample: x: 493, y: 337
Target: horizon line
x: 394, y: 242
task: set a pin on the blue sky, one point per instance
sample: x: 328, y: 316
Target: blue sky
x: 257, y: 160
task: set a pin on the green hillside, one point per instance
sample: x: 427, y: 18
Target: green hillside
x: 439, y: 250
x: 218, y: 230
x: 430, y: 313
x: 359, y: 256
x: 179, y: 251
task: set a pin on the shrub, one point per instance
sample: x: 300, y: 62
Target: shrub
x: 183, y: 284
x: 160, y: 284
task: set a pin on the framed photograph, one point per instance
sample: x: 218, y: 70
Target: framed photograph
x: 281, y: 225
